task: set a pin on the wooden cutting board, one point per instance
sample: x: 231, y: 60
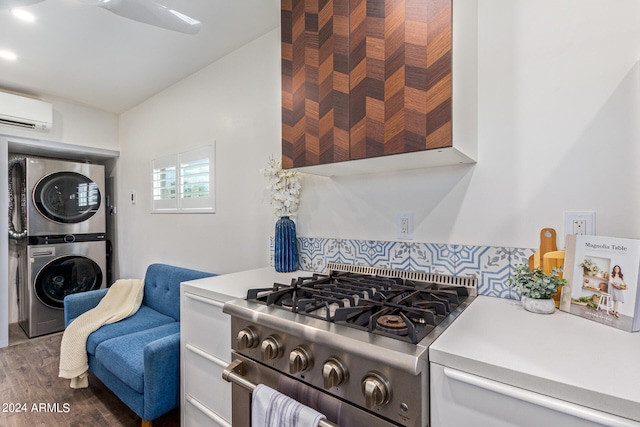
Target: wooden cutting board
x: 551, y: 260
x: 547, y: 244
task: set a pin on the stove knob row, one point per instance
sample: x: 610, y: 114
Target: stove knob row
x: 247, y: 338
x: 376, y: 390
x: 334, y: 373
x: 271, y: 348
x: 299, y: 360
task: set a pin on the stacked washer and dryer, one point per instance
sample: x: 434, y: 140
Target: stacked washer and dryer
x: 65, y: 244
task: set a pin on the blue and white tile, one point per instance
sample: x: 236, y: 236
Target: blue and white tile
x: 338, y: 251
x: 433, y: 258
x: 494, y: 272
x: 519, y: 256
x: 468, y: 260
x: 444, y: 258
x: 384, y: 254
x: 420, y: 258
x: 354, y: 252
x: 311, y: 254
x: 399, y: 255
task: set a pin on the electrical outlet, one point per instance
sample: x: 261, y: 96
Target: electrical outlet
x: 404, y: 225
x: 580, y: 223
x: 579, y: 226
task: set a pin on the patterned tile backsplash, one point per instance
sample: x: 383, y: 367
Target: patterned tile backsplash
x: 491, y: 265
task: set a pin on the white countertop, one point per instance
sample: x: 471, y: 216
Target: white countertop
x: 227, y: 287
x: 559, y: 355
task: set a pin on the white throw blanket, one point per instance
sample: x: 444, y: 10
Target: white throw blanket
x: 122, y: 300
x: 270, y: 408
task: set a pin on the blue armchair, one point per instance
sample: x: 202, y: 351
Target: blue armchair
x: 138, y: 358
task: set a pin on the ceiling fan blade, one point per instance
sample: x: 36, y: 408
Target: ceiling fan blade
x: 11, y: 4
x: 151, y: 13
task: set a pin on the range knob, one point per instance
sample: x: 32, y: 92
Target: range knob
x: 334, y: 373
x: 271, y: 348
x: 376, y: 390
x: 247, y: 338
x: 299, y: 360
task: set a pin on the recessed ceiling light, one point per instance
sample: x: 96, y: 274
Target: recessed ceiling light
x: 23, y: 14
x: 5, y: 54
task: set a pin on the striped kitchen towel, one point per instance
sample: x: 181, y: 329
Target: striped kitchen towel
x: 270, y: 408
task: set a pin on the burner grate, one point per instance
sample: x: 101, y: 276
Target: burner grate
x: 404, y: 305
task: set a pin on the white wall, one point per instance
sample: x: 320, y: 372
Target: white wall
x: 234, y: 102
x: 558, y: 131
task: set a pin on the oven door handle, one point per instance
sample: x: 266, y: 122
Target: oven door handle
x: 234, y: 374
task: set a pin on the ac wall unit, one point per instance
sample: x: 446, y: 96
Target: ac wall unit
x: 19, y: 111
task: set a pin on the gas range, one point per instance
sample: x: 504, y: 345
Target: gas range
x: 391, y: 306
x: 358, y: 335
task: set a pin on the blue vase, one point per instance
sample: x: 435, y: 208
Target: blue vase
x: 285, y: 257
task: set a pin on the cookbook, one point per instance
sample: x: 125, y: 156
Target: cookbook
x: 602, y: 280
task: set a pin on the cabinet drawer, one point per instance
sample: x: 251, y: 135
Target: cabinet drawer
x: 205, y: 326
x: 203, y: 381
x: 197, y: 415
x: 462, y: 399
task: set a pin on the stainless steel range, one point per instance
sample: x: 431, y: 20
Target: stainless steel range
x: 352, y: 344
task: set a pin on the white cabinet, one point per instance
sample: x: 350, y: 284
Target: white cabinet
x: 512, y: 353
x: 205, y: 342
x: 205, y: 351
x: 462, y: 399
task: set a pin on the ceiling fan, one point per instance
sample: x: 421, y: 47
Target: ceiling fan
x: 147, y: 11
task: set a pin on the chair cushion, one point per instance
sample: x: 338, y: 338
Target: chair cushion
x: 144, y: 318
x: 162, y: 287
x: 124, y: 356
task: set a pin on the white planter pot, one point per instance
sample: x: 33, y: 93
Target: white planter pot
x: 542, y: 306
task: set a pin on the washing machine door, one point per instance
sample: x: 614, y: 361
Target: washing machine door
x: 67, y: 197
x: 64, y: 276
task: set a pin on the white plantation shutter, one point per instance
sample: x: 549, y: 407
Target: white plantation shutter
x: 163, y: 183
x: 196, y: 179
x: 185, y: 182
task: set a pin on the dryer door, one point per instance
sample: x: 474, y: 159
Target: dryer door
x: 67, y: 197
x: 64, y: 276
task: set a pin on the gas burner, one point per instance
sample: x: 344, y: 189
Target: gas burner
x: 287, y: 302
x: 393, y: 324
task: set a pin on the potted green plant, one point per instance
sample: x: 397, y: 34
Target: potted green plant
x: 536, y: 288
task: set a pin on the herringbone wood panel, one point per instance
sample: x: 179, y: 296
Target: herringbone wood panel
x: 400, y: 73
x: 314, y: 82
x: 364, y: 78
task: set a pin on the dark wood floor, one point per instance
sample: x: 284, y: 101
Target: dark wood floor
x: 32, y: 394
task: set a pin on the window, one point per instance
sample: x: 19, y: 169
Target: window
x: 184, y: 182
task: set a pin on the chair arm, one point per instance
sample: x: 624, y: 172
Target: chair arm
x: 161, y: 376
x: 76, y: 304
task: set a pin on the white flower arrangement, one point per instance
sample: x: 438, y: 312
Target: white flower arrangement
x: 284, y: 186
x: 590, y: 266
